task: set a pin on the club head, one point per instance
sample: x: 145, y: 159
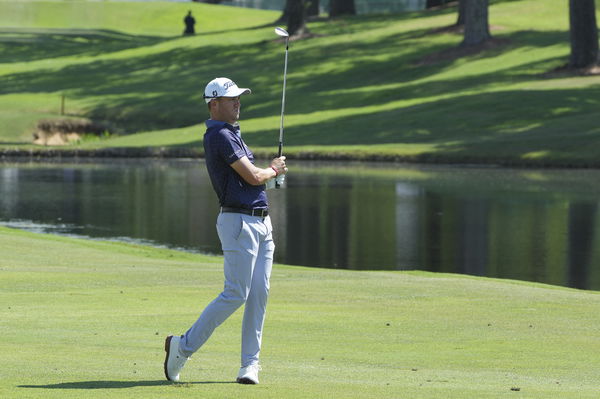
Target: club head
x: 281, y: 32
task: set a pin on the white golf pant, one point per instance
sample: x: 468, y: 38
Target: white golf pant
x: 248, y: 248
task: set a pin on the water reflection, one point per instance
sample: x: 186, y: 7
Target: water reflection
x: 528, y: 225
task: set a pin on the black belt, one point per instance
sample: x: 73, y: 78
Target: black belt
x: 263, y: 213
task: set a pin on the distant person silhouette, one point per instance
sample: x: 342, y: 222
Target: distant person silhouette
x: 189, y: 24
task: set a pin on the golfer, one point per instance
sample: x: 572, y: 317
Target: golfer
x: 245, y: 231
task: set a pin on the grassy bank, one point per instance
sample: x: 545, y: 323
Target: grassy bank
x: 388, y: 86
x: 87, y: 319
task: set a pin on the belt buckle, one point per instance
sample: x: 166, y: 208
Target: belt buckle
x: 258, y: 212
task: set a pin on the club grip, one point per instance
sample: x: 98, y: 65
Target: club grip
x: 277, y: 179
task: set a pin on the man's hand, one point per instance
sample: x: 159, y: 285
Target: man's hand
x: 278, y: 164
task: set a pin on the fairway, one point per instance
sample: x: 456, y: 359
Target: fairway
x: 390, y: 86
x: 85, y: 318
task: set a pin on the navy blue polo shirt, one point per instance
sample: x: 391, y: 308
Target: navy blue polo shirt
x: 223, y: 145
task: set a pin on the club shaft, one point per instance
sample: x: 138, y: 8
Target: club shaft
x: 283, y: 98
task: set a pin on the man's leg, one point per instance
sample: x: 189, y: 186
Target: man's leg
x: 256, y: 303
x: 240, y: 248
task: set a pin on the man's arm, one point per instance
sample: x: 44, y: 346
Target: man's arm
x: 257, y: 176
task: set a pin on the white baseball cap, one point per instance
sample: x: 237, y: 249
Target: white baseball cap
x: 223, y: 87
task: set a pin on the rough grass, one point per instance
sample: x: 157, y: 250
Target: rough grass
x: 88, y: 319
x: 386, y: 85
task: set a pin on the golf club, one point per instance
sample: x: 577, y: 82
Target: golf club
x: 283, y: 33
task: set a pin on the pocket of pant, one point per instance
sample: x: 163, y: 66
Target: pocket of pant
x: 229, y: 229
x: 269, y: 226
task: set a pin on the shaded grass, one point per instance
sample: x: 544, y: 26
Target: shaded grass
x: 27, y: 44
x: 361, y: 83
x: 89, y: 319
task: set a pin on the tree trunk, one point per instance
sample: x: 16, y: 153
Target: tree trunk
x: 584, y: 33
x: 341, y: 7
x: 460, y: 21
x: 477, y: 29
x: 296, y: 18
x: 433, y: 3
x: 312, y: 10
x: 285, y: 15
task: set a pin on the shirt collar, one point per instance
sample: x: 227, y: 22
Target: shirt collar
x: 211, y: 123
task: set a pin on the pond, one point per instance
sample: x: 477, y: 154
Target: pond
x: 532, y: 225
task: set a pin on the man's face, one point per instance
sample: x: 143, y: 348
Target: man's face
x: 226, y: 109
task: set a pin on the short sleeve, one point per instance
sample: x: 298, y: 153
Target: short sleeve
x: 227, y: 147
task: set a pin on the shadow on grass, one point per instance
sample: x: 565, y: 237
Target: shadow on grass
x: 163, y: 90
x: 549, y: 123
x: 24, y: 45
x: 117, y: 384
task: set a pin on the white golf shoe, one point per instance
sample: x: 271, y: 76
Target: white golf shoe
x: 174, y: 361
x: 248, y: 374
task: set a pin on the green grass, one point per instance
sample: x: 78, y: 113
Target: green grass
x: 87, y: 319
x: 365, y: 86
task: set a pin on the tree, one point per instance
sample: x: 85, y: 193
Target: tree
x: 312, y: 8
x: 434, y: 3
x: 296, y: 21
x: 341, y: 7
x: 584, y: 34
x: 477, y: 28
x: 285, y: 14
x: 460, y: 21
